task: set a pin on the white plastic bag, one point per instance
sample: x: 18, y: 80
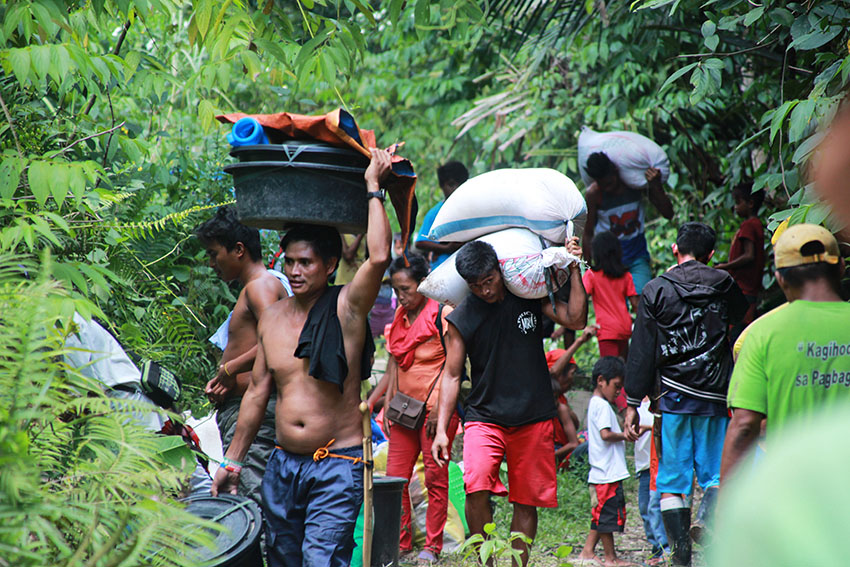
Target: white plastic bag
x: 523, y: 261
x: 632, y: 153
x: 544, y: 201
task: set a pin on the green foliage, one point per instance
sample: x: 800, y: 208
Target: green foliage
x: 492, y: 547
x: 81, y: 483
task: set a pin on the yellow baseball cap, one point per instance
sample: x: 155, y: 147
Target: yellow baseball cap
x: 805, y: 244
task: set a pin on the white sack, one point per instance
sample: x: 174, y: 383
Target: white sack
x: 544, y: 201
x: 632, y: 153
x: 523, y: 261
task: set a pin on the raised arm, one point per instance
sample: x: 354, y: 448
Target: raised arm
x: 573, y: 314
x: 251, y: 413
x: 358, y: 296
x: 562, y: 362
x: 449, y: 388
x: 657, y: 196
x: 591, y: 197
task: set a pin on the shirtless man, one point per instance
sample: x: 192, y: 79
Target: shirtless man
x: 235, y: 254
x: 314, y: 350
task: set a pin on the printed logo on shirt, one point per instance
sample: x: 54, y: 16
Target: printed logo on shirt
x: 526, y: 322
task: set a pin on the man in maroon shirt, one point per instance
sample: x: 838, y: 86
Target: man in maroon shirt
x: 746, y: 256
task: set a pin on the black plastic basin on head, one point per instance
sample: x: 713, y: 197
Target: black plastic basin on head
x: 239, y: 545
x: 309, y: 182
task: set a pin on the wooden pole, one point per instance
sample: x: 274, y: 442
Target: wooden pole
x: 367, y: 485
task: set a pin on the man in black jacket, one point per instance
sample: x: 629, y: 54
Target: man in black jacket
x: 680, y: 353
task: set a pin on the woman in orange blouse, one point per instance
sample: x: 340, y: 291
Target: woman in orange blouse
x: 416, y: 361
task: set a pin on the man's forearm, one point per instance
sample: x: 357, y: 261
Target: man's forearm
x: 449, y: 388
x: 740, y: 437
x: 577, y: 306
x: 378, y: 235
x: 241, y: 363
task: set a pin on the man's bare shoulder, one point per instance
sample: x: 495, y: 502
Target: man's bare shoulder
x: 276, y: 310
x: 592, y: 194
x: 264, y: 281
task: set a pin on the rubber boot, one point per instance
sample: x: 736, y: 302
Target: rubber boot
x: 677, y: 523
x: 700, y: 529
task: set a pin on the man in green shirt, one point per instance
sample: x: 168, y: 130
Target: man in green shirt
x: 794, y: 361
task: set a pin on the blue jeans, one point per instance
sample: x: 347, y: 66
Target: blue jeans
x: 640, y: 271
x: 649, y: 502
x: 311, y: 508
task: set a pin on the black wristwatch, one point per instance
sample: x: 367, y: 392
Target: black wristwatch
x: 379, y: 194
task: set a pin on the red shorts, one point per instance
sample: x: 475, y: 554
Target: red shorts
x: 531, y: 461
x: 608, y: 514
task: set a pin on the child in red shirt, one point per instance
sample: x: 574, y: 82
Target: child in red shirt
x: 746, y: 255
x: 609, y: 284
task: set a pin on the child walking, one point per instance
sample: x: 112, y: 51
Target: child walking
x: 607, y: 454
x: 609, y: 284
x: 746, y: 255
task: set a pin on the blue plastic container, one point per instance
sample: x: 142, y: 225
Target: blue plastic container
x: 247, y: 132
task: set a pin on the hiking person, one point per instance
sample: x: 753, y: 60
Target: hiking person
x: 510, y: 405
x: 235, y: 254
x: 795, y: 361
x: 746, y: 255
x: 313, y: 350
x: 615, y: 207
x: 415, y: 343
x: 607, y: 456
x: 681, y: 338
x: 450, y: 175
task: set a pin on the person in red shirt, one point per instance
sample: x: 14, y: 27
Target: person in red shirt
x: 746, y: 256
x: 609, y: 284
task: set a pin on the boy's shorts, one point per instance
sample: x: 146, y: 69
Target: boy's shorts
x: 608, y: 507
x: 531, y: 461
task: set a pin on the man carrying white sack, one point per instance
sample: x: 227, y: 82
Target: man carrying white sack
x: 510, y: 406
x: 612, y: 205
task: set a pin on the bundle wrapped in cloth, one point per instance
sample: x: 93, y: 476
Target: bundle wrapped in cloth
x: 632, y: 153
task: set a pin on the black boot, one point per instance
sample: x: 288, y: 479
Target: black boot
x: 705, y: 514
x: 677, y: 523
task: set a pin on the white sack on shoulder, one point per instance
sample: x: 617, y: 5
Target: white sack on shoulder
x: 632, y: 153
x: 523, y: 261
x: 542, y: 200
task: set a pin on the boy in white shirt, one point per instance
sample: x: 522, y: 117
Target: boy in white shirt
x: 607, y: 455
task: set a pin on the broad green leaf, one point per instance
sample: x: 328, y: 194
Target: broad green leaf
x: 131, y: 63
x: 252, y: 63
x: 10, y: 176
x: 675, y: 76
x: 711, y: 42
x: 779, y: 117
x: 708, y: 29
x: 38, y: 176
x: 327, y: 65
x: 40, y: 55
x: 19, y: 59
x: 306, y: 52
x: 800, y: 118
x: 273, y: 48
x: 782, y: 16
x: 43, y: 228
x: 753, y: 16
x: 816, y: 39
x: 59, y: 182
x: 202, y: 16
x: 206, y: 114
x: 68, y: 272
x: 365, y: 10
x: 807, y: 147
x: 77, y: 182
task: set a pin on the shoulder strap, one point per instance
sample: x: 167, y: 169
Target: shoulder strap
x: 439, y: 323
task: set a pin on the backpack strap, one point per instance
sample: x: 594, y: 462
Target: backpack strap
x: 439, y: 323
